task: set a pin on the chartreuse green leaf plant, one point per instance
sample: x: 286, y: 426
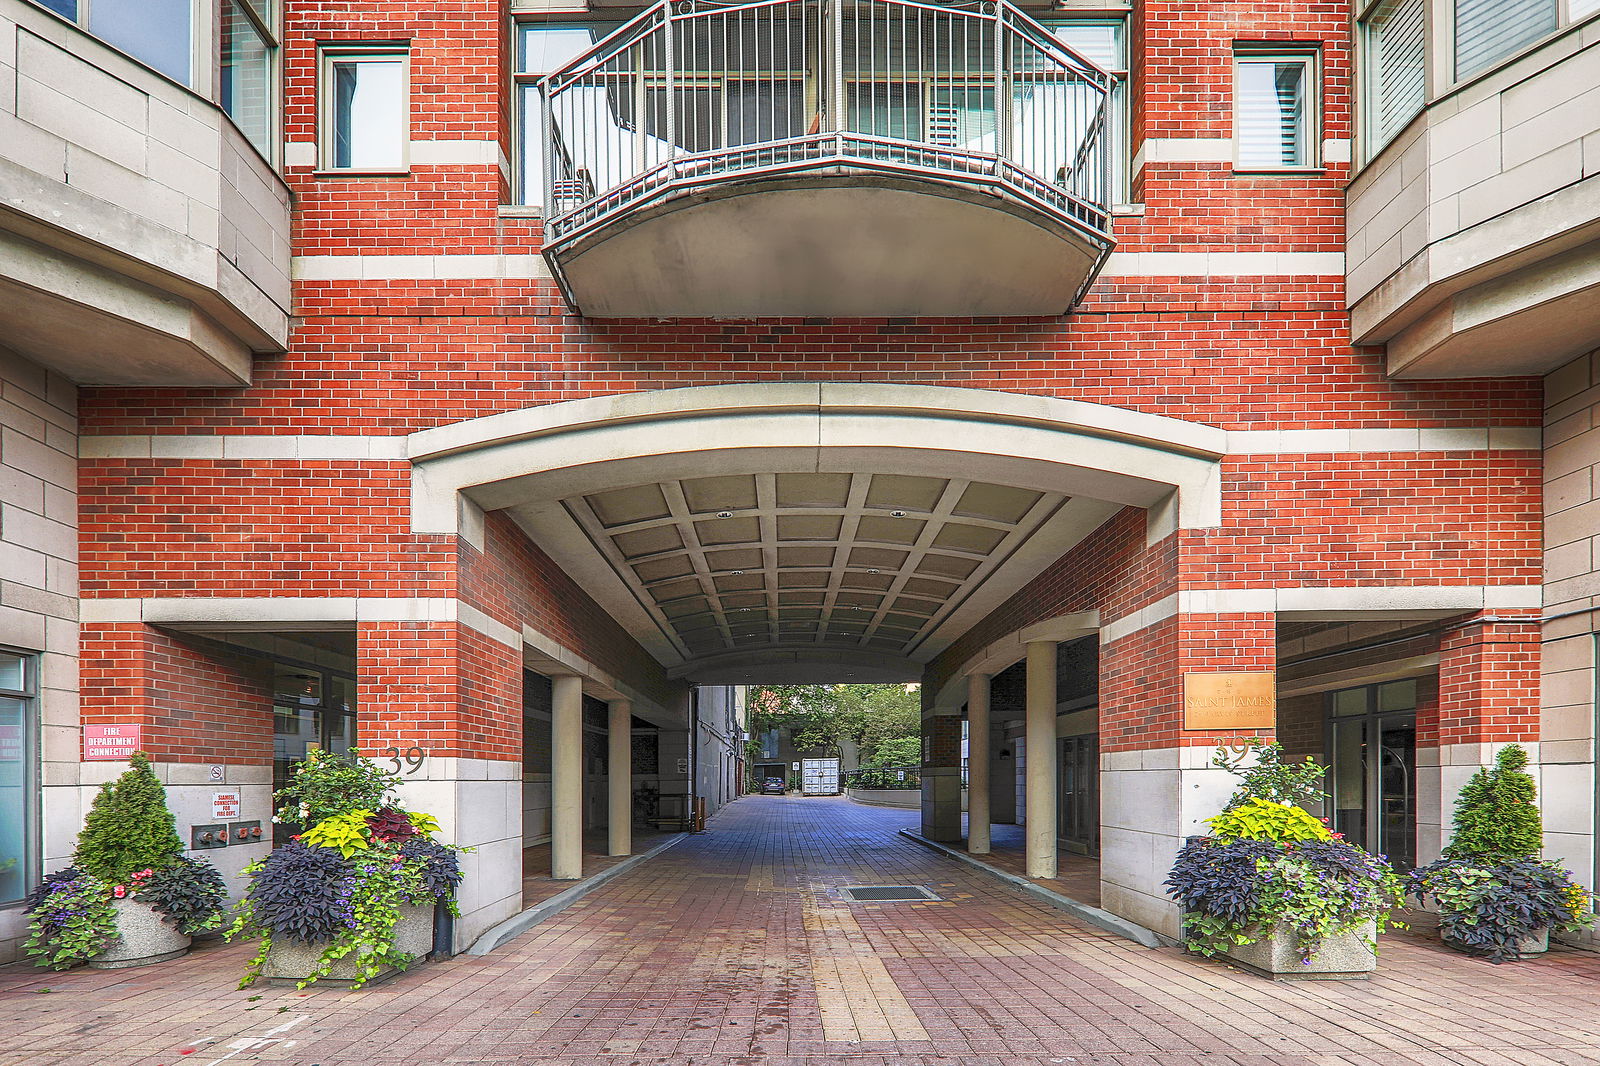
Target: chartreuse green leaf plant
x: 1270, y: 865
x: 344, y: 881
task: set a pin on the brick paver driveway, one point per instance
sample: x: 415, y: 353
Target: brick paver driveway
x: 734, y: 947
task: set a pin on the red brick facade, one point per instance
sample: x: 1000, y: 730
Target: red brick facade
x: 385, y: 358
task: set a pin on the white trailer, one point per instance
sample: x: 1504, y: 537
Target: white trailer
x: 819, y: 777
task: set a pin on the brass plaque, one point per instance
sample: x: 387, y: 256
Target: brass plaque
x: 1216, y: 702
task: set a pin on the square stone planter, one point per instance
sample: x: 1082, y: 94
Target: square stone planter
x: 1340, y: 958
x: 291, y: 961
x: 143, y: 937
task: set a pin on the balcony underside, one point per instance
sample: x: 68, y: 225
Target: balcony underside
x: 837, y: 244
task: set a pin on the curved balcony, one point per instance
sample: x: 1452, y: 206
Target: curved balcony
x: 826, y: 158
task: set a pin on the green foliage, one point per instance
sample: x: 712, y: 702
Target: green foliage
x: 1259, y: 819
x: 325, y: 785
x: 900, y: 751
x: 348, y: 833
x: 1271, y: 778
x: 188, y: 894
x: 822, y: 717
x: 73, y: 920
x: 1496, y: 817
x: 426, y: 824
x: 129, y: 827
x: 378, y: 881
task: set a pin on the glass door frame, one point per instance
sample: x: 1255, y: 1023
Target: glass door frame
x: 1372, y: 719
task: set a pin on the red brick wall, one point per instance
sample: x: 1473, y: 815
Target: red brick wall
x: 1489, y: 681
x: 195, y: 702
x: 439, y: 686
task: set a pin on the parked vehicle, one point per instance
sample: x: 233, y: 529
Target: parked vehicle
x: 772, y: 786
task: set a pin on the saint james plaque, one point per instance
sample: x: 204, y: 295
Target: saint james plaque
x: 1215, y: 702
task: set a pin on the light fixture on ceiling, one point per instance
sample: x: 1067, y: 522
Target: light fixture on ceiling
x: 738, y: 573
x: 724, y: 514
x: 872, y: 571
x: 897, y: 514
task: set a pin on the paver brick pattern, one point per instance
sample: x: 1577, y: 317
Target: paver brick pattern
x: 736, y: 947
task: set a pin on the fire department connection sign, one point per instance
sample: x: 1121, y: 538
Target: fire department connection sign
x: 224, y: 806
x: 110, y: 742
x: 1230, y: 701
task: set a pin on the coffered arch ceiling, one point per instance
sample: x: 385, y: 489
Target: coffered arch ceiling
x: 762, y: 533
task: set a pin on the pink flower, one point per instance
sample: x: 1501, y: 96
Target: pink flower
x: 119, y: 892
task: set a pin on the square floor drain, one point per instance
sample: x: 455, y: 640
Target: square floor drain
x: 887, y: 893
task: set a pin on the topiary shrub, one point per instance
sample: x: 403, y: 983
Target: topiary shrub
x: 129, y: 827
x: 1497, y: 818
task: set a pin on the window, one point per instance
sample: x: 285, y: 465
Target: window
x: 19, y: 785
x: 1490, y: 30
x: 311, y: 708
x: 248, y: 50
x: 365, y: 109
x: 158, y: 33
x: 544, y: 47
x: 1275, y: 111
x: 1396, y: 69
x: 1104, y: 43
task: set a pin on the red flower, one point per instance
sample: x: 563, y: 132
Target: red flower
x: 119, y: 892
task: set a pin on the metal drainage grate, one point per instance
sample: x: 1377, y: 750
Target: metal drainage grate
x: 887, y: 893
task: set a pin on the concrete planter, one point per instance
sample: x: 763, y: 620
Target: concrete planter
x: 143, y: 937
x: 1340, y: 958
x: 290, y: 961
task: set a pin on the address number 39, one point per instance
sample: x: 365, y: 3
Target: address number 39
x: 408, y: 761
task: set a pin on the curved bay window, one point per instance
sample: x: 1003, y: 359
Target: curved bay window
x: 311, y: 708
x: 1372, y: 741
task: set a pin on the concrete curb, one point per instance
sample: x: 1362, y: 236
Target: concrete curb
x: 518, y: 924
x: 1094, y: 916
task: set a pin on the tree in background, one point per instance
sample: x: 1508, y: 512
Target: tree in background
x: 826, y: 716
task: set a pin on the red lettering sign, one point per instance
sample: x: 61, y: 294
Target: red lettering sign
x: 110, y: 742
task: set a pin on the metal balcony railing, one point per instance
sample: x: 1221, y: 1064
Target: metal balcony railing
x: 699, y: 92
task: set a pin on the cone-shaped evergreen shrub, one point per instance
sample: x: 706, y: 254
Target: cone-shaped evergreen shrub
x: 129, y: 827
x: 1497, y: 819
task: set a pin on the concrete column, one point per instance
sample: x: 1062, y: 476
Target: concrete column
x: 1041, y: 748
x: 978, y: 764
x: 619, y: 768
x: 566, y: 779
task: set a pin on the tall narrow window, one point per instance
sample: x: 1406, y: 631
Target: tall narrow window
x: 543, y: 47
x: 1104, y: 43
x: 1490, y: 30
x: 1395, y: 83
x: 19, y: 786
x: 1274, y: 112
x: 365, y: 110
x: 248, y: 47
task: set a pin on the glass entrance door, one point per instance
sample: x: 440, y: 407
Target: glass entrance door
x: 1079, y: 824
x: 311, y: 708
x: 1372, y: 745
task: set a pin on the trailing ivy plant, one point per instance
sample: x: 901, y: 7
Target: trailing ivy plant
x: 73, y: 919
x: 1271, y: 866
x: 349, y: 903
x: 128, y: 847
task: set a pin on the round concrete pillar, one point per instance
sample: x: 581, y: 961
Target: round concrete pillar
x: 978, y: 764
x: 619, y: 772
x: 566, y: 779
x: 1041, y: 756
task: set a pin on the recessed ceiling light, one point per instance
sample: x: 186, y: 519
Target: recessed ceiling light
x: 724, y: 514
x: 897, y: 514
x: 738, y: 573
x: 872, y: 571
